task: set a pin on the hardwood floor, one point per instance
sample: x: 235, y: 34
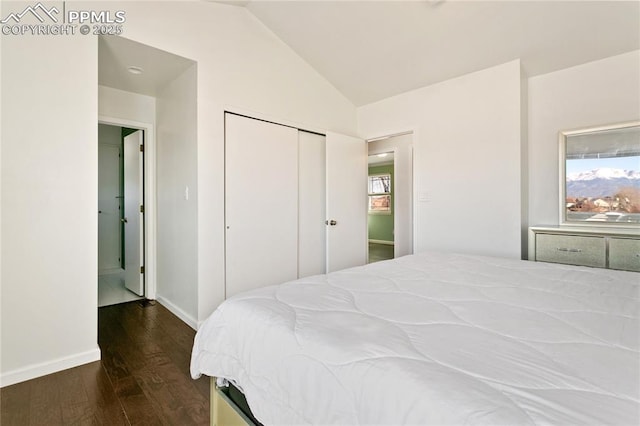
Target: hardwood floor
x: 142, y: 379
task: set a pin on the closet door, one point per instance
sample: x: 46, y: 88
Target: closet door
x: 346, y: 202
x: 312, y: 204
x: 261, y: 203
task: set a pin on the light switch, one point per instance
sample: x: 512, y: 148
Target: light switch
x: 186, y: 193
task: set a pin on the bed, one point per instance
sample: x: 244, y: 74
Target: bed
x: 433, y: 338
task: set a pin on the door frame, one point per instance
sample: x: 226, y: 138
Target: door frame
x: 414, y: 205
x: 150, y: 211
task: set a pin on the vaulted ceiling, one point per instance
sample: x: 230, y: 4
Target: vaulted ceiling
x: 371, y: 50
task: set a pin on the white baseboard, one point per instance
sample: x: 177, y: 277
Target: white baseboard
x: 186, y: 318
x: 389, y: 243
x: 42, y: 369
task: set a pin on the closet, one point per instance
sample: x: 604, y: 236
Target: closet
x: 295, y: 203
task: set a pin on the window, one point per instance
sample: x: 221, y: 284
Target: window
x: 600, y: 175
x: 380, y: 193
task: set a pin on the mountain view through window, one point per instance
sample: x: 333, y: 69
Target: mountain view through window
x: 603, y: 189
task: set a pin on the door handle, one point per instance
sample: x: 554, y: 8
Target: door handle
x: 123, y: 220
x: 331, y: 222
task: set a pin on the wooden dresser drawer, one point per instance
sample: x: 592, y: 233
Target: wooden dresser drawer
x: 571, y: 249
x: 624, y: 253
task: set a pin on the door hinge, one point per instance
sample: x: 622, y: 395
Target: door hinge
x: 142, y: 269
x: 141, y: 209
x: 141, y: 148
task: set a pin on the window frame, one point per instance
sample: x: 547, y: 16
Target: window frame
x: 373, y: 195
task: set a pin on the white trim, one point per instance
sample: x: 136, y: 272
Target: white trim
x: 385, y: 242
x: 42, y: 369
x: 185, y: 317
x: 381, y: 138
x: 150, y: 212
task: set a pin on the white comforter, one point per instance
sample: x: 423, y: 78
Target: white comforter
x: 434, y: 339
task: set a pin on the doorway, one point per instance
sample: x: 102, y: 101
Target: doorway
x: 120, y: 214
x: 390, y: 192
x: 146, y: 88
x: 380, y: 215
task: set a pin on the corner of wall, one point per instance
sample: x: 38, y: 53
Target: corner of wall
x: 524, y: 160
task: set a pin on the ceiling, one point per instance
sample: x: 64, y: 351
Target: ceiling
x: 380, y: 159
x: 116, y: 54
x: 371, y: 50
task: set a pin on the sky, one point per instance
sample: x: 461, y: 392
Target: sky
x: 624, y: 163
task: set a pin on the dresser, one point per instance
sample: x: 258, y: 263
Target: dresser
x: 600, y: 247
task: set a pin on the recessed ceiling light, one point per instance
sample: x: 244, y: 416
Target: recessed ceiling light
x: 384, y: 154
x: 135, y: 70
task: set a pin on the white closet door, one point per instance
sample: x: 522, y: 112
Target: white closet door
x: 312, y: 204
x: 346, y: 202
x: 261, y: 200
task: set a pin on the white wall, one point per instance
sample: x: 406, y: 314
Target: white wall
x: 1, y: 226
x: 177, y: 216
x: 49, y: 205
x: 109, y: 135
x: 597, y: 93
x: 50, y: 84
x: 242, y: 67
x: 109, y: 251
x: 127, y: 106
x: 467, y: 155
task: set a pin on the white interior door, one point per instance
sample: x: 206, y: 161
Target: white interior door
x: 108, y: 211
x: 346, y: 201
x: 261, y: 203
x: 312, y: 204
x: 133, y: 218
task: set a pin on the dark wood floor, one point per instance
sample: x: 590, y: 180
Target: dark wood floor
x: 142, y: 379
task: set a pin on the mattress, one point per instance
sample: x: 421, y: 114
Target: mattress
x: 434, y: 338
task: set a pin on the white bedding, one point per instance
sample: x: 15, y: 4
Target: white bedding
x: 434, y: 339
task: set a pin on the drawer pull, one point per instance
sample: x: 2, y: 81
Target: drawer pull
x: 570, y: 250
